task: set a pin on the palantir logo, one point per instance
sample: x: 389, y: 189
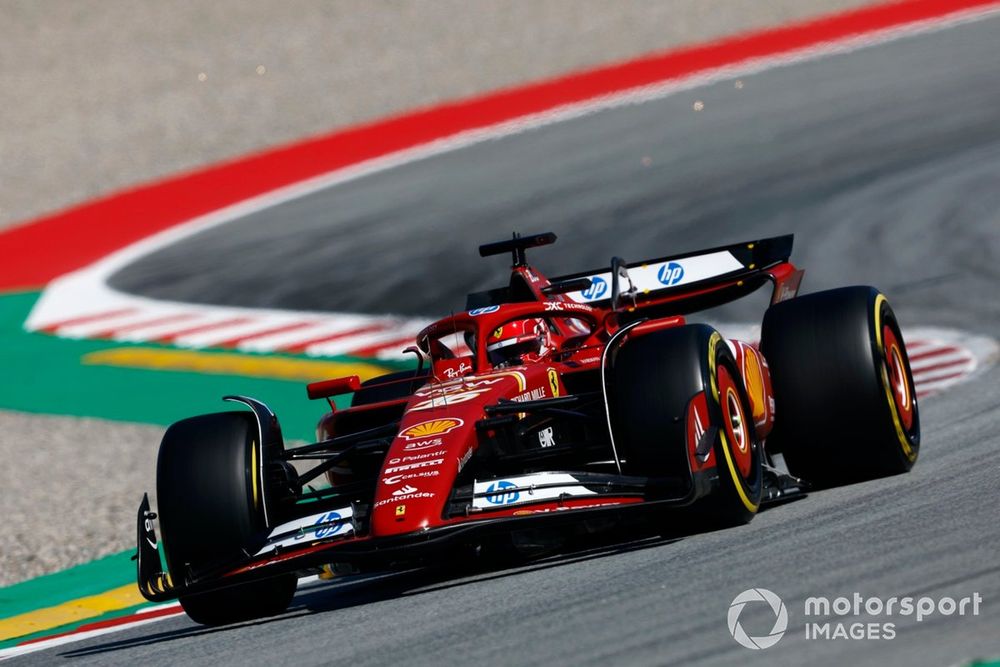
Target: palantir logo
x: 598, y: 286
x: 780, y: 618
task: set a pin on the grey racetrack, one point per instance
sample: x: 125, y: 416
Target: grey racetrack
x: 885, y: 162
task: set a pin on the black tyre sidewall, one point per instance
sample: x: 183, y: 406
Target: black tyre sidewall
x: 655, y: 378
x: 205, y: 500
x: 256, y: 599
x: 835, y: 420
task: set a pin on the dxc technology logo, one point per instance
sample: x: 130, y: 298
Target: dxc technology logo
x: 780, y: 618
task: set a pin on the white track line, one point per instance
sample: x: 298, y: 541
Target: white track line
x: 921, y: 379
x: 948, y: 355
x: 158, y: 331
x: 215, y: 337
x: 339, y: 327
x: 94, y: 327
x: 15, y: 651
x: 343, y: 346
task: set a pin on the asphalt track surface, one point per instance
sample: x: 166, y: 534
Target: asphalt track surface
x: 884, y: 162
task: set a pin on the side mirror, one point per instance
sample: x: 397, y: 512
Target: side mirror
x: 334, y: 387
x: 566, y: 286
x: 413, y: 349
x: 619, y: 272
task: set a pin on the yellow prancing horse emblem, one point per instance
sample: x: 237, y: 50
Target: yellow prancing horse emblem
x: 554, y: 381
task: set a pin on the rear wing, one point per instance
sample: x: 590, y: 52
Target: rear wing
x: 697, y: 280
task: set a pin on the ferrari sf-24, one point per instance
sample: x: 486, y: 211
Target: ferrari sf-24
x: 547, y: 407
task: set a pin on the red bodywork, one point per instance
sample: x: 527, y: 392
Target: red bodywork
x: 438, y: 434
x: 443, y: 417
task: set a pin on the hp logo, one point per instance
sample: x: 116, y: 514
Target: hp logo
x: 325, y: 531
x: 670, y: 274
x: 598, y: 286
x: 499, y: 495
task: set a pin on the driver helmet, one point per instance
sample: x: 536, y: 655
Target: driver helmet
x: 518, y: 342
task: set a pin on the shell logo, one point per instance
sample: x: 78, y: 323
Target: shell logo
x: 431, y: 427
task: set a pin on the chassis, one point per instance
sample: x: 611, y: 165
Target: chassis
x: 635, y: 413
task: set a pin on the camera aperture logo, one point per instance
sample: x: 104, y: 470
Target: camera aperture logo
x: 856, y: 617
x: 780, y: 618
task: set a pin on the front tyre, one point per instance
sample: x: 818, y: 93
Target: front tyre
x: 656, y: 379
x: 210, y: 507
x: 245, y: 602
x: 739, y: 457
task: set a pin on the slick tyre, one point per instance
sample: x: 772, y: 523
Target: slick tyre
x: 210, y: 508
x: 655, y: 378
x: 845, y: 403
x: 241, y: 603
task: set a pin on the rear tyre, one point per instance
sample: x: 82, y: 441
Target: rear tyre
x: 844, y: 396
x: 655, y: 377
x: 210, y: 507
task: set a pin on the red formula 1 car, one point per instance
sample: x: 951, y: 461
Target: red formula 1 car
x: 547, y: 407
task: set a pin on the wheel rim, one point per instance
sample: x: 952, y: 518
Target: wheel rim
x: 896, y: 377
x: 735, y: 423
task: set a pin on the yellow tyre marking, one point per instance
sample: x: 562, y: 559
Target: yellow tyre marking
x: 70, y: 612
x: 253, y: 473
x: 737, y: 480
x: 713, y: 340
x: 904, y: 442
